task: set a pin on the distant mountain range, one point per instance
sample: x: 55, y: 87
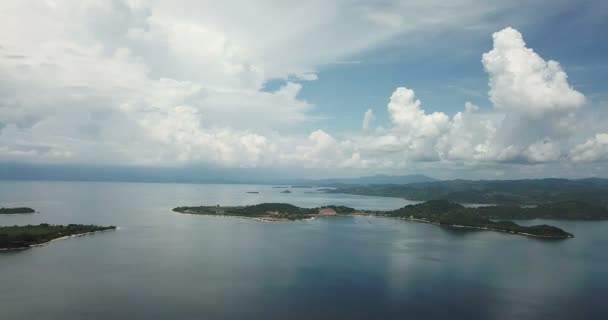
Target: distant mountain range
x: 379, y: 179
x: 513, y: 192
x: 19, y: 171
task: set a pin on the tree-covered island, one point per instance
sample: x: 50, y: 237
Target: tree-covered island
x: 439, y: 212
x: 263, y: 211
x: 450, y: 214
x: 24, y: 237
x: 19, y: 210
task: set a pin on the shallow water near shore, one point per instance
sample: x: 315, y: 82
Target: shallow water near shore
x: 164, y: 265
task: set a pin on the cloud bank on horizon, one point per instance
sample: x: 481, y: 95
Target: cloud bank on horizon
x: 174, y: 83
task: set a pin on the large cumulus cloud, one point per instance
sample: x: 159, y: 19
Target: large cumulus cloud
x: 523, y: 82
x: 533, y: 119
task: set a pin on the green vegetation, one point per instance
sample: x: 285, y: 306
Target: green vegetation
x: 280, y: 208
x: 274, y: 211
x: 22, y: 237
x: 565, y: 210
x: 447, y: 213
x: 511, y: 192
x: 440, y: 212
x: 19, y: 210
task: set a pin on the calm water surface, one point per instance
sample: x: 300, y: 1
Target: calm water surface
x: 163, y: 265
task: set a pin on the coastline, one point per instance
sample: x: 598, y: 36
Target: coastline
x: 363, y: 213
x: 56, y: 239
x: 477, y: 228
x: 270, y: 219
x: 260, y: 219
x: 507, y: 231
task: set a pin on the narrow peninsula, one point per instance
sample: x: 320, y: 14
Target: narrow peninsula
x: 438, y: 212
x: 19, y: 210
x: 450, y: 214
x: 24, y: 237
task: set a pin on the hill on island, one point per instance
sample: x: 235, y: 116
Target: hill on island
x: 516, y: 192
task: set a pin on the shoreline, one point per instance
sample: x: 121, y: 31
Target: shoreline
x: 260, y: 219
x: 363, y: 214
x: 56, y: 239
x: 271, y: 220
x: 477, y: 228
x: 507, y: 231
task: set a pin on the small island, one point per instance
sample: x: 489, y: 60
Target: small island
x: 253, y: 192
x: 450, y: 214
x: 438, y: 212
x: 24, y: 237
x: 19, y: 210
x: 285, y: 191
x: 265, y: 211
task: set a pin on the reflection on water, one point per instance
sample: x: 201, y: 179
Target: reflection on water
x: 162, y: 265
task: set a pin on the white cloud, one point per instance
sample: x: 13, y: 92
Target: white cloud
x: 410, y: 119
x: 533, y: 119
x: 368, y: 118
x: 594, y: 149
x: 543, y: 151
x: 521, y: 81
x: 310, y: 76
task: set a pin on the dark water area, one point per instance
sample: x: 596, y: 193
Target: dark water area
x: 164, y: 265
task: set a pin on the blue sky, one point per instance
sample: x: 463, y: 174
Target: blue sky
x: 467, y: 89
x: 448, y: 74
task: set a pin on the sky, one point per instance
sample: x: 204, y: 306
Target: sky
x: 461, y: 89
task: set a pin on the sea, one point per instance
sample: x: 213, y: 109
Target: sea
x: 164, y: 265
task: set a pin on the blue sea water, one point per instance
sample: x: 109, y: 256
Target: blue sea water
x: 164, y: 265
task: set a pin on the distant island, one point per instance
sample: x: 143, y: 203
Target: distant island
x: 285, y: 191
x: 439, y: 212
x: 536, y: 192
x: 24, y: 237
x: 255, y: 192
x: 19, y: 210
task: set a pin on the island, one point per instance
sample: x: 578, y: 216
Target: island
x: 19, y: 210
x: 254, y: 192
x: 24, y: 237
x: 263, y: 211
x: 450, y: 214
x: 285, y: 191
x: 528, y: 192
x: 439, y: 212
